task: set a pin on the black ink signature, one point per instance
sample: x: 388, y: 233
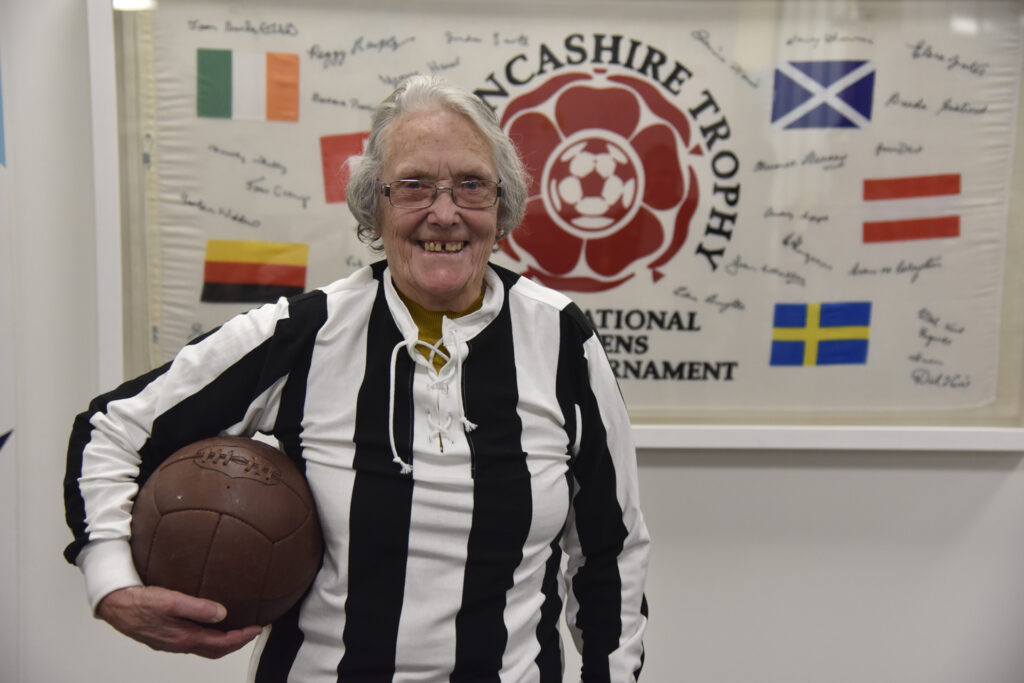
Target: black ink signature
x: 738, y: 265
x: 961, y: 107
x: 703, y: 37
x: 899, y: 148
x: 795, y: 244
x: 925, y: 377
x: 924, y: 50
x: 897, y: 100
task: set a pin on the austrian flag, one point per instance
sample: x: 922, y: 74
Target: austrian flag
x: 911, y: 208
x: 234, y: 84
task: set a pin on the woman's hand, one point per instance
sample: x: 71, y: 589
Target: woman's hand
x: 172, y: 622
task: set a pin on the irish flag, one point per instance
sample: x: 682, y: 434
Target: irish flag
x: 245, y: 271
x: 235, y: 84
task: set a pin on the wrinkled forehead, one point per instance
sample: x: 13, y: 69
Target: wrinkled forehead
x: 436, y: 140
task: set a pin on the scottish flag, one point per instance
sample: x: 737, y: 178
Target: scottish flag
x: 823, y: 94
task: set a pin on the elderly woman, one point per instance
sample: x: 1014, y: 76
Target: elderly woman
x: 459, y: 427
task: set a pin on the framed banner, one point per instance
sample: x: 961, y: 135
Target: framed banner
x: 778, y: 215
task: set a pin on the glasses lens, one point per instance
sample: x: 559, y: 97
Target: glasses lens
x: 411, y: 194
x: 475, y: 194
x: 419, y: 194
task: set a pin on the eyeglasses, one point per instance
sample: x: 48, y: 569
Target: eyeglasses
x: 419, y: 194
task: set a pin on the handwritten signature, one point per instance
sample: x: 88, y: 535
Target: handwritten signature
x: 827, y: 162
x: 827, y: 39
x: 352, y: 102
x: 934, y: 320
x: 703, y: 37
x: 334, y: 58
x: 738, y: 265
x: 901, y: 268
x: 257, y: 186
x: 963, y: 107
x: 225, y: 212
x: 713, y: 300
x: 922, y: 49
x: 794, y: 242
x: 944, y: 380
x: 899, y: 148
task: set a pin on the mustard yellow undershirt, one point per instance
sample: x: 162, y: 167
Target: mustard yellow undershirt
x: 429, y: 324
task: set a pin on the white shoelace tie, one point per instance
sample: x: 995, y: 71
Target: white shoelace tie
x: 441, y: 429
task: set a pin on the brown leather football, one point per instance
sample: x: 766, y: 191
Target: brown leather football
x: 230, y: 519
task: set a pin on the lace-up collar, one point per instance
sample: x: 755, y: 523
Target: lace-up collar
x: 431, y: 328
x: 450, y: 348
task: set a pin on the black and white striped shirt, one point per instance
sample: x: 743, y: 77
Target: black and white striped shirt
x: 446, y: 498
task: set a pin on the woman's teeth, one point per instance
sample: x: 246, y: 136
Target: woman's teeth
x: 449, y: 247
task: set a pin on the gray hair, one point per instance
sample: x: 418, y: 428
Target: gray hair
x: 418, y: 93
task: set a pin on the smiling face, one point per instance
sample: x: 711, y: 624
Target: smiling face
x: 437, y: 255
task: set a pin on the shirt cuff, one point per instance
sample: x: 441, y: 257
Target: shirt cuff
x: 107, y: 566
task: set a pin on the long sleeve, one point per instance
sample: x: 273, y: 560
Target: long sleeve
x: 607, y: 540
x: 228, y: 382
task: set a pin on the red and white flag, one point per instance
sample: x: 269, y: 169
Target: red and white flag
x: 335, y: 151
x: 911, y: 208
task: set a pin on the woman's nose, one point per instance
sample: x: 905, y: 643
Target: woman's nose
x: 444, y: 210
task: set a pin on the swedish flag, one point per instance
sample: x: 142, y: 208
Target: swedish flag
x: 821, y: 333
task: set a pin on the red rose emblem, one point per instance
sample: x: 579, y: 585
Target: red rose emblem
x: 608, y: 195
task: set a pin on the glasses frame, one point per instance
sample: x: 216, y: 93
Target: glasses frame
x: 385, y: 189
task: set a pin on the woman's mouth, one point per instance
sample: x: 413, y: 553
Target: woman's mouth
x: 443, y: 247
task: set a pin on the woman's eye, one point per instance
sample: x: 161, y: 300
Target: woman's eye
x: 471, y: 184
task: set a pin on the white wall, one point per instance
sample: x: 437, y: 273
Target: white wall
x: 768, y: 567
x: 52, y: 264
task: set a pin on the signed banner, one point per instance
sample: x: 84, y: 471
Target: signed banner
x: 761, y: 206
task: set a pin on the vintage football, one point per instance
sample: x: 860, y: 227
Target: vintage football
x: 230, y: 519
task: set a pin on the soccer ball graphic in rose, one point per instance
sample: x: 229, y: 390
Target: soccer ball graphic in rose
x: 609, y: 195
x: 592, y: 184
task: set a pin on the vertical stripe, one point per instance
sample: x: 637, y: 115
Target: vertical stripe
x: 380, y: 509
x: 811, y: 343
x: 546, y: 409
x: 282, y: 86
x: 622, y: 536
x: 378, y: 538
x: 570, y: 377
x: 248, y: 85
x: 549, y: 659
x: 600, y: 528
x: 306, y: 316
x: 213, y: 83
x: 502, y: 502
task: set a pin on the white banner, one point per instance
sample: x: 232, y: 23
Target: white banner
x: 762, y: 206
